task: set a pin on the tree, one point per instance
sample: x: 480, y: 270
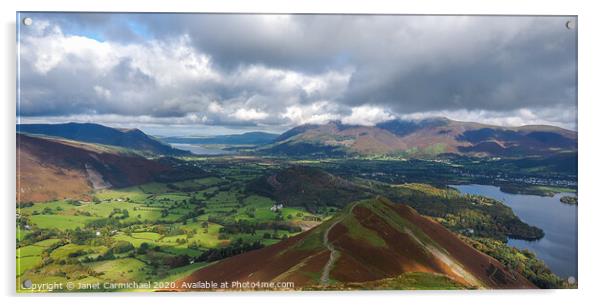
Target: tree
x: 143, y: 248
x: 122, y: 246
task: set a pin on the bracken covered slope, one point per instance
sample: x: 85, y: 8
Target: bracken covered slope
x: 49, y: 169
x: 375, y: 242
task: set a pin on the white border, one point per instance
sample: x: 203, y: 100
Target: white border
x: 589, y: 128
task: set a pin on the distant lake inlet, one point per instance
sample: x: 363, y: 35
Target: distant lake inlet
x: 199, y: 149
x: 558, y: 248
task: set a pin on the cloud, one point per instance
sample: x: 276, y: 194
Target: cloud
x: 215, y: 107
x: 367, y: 116
x: 66, y: 74
x: 249, y: 114
x: 316, y: 113
x: 102, y: 92
x: 558, y: 116
x: 276, y: 71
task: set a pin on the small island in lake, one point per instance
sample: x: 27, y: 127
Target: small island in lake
x: 572, y: 200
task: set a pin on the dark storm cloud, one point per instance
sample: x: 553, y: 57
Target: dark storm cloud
x: 532, y: 66
x: 276, y: 68
x: 496, y: 63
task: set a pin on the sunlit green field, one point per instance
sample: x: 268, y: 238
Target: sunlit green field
x: 150, y: 232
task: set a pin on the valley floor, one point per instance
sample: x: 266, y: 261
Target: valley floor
x: 163, y: 232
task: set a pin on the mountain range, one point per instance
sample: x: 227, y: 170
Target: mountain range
x: 420, y: 138
x: 133, y: 139
x: 401, y: 138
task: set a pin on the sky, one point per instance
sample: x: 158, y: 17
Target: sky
x: 203, y: 74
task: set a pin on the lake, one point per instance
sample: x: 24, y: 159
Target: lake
x: 558, y: 248
x: 198, y: 149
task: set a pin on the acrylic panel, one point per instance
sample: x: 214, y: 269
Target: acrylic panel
x: 237, y: 152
